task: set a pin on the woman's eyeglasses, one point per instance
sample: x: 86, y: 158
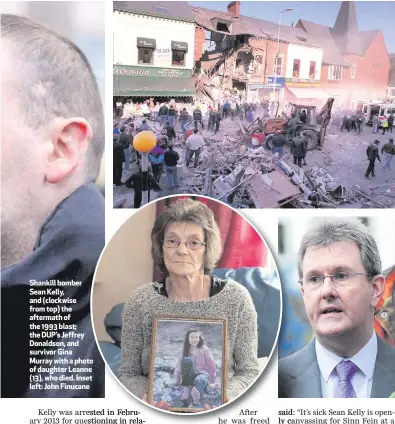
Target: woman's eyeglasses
x: 190, y: 245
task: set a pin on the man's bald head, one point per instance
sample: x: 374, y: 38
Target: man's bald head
x: 50, y: 78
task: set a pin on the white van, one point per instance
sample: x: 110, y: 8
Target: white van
x: 383, y: 109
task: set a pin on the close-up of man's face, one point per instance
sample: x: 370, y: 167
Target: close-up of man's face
x: 339, y: 307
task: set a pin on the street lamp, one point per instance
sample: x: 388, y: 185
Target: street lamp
x: 278, y: 47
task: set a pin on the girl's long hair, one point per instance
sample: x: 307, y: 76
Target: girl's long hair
x: 186, y: 341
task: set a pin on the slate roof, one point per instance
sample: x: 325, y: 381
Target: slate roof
x: 343, y: 38
x: 322, y: 34
x: 177, y: 10
x: 252, y: 26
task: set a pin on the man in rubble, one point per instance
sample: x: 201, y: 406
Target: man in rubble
x: 278, y: 143
x: 292, y: 125
x: 388, y: 150
x: 197, y: 117
x: 372, y: 153
x: 299, y: 149
x: 213, y: 120
x: 162, y: 114
x: 194, y: 144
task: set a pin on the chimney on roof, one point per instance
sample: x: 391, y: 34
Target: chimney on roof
x: 234, y: 8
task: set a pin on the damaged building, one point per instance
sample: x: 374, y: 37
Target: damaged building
x: 241, y: 55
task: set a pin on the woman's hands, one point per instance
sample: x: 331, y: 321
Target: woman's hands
x: 160, y: 405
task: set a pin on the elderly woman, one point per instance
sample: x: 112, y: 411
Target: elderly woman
x: 186, y: 246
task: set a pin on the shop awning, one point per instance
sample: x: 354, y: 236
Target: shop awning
x: 179, y: 45
x: 148, y: 43
x: 308, y: 93
x: 126, y: 85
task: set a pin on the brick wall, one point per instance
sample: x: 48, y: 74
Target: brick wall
x: 268, y: 49
x: 200, y: 37
x: 371, y: 74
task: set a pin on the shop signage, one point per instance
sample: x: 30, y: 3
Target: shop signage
x: 179, y: 45
x: 140, y: 71
x: 302, y: 82
x: 280, y: 81
x: 148, y: 43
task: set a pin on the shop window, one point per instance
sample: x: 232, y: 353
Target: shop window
x: 335, y: 72
x: 146, y: 56
x: 178, y: 57
x: 278, y: 65
x: 296, y: 68
x: 312, y: 70
x: 353, y: 70
x: 222, y: 26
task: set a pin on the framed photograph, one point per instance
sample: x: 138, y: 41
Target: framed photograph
x: 188, y: 362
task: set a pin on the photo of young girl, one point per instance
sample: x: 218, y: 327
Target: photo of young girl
x: 195, y: 370
x: 188, y: 363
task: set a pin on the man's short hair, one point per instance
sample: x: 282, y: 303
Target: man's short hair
x: 122, y: 129
x: 335, y: 230
x: 54, y: 80
x: 195, y: 130
x: 376, y: 141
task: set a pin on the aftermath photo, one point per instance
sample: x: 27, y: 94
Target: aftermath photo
x: 257, y: 104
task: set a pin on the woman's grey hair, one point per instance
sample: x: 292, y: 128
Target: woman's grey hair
x: 187, y: 210
x: 330, y: 231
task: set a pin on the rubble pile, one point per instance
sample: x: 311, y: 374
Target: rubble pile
x: 249, y: 176
x: 235, y: 168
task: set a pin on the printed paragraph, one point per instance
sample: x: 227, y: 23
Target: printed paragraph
x: 336, y: 416
x: 246, y: 416
x: 101, y: 416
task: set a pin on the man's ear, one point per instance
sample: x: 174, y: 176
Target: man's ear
x: 377, y: 283
x: 69, y: 141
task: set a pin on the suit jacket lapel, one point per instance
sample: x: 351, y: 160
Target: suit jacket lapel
x: 308, y: 382
x: 384, y: 371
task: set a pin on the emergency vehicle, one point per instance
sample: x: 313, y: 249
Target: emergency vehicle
x: 383, y: 109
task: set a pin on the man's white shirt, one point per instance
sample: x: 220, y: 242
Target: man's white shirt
x: 362, y: 380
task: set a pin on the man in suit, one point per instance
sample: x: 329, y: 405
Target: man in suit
x: 339, y: 268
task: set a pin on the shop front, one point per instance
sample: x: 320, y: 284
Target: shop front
x: 259, y: 90
x: 143, y: 82
x: 305, y: 91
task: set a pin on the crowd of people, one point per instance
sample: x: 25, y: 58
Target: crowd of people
x: 170, y: 121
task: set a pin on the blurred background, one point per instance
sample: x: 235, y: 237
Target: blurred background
x: 80, y: 21
x: 295, y: 328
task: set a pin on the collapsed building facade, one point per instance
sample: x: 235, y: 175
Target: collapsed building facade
x: 241, y: 55
x: 236, y: 54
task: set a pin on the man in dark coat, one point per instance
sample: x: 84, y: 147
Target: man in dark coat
x: 125, y: 139
x: 372, y: 153
x: 299, y: 149
x: 135, y: 181
x: 214, y: 120
x: 198, y: 118
x: 163, y: 112
x: 390, y: 122
x: 117, y: 160
x: 52, y: 217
